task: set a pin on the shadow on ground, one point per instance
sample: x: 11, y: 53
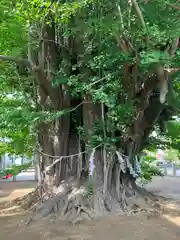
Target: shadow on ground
x: 140, y: 227
x: 12, y: 190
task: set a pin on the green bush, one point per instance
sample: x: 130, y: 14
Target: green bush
x: 16, y: 169
x: 149, y: 169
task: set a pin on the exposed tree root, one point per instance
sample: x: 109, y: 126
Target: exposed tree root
x: 74, y: 204
x: 112, y: 192
x: 28, y: 201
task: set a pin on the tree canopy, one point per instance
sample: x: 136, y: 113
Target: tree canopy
x: 102, y: 28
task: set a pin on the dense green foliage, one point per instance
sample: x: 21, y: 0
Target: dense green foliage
x: 149, y: 169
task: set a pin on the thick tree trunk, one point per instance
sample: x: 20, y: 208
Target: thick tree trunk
x: 82, y: 179
x: 109, y: 182
x: 142, y: 127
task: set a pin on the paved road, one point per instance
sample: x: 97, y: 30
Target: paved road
x: 170, y: 170
x: 30, y: 175
x: 166, y: 187
x: 23, y: 176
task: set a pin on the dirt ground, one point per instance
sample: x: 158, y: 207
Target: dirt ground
x: 139, y: 227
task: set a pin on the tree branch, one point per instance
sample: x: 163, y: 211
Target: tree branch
x: 138, y: 12
x: 13, y: 59
x: 120, y: 17
x: 173, y: 6
x: 172, y: 70
x: 174, y: 46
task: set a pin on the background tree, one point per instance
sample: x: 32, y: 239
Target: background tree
x: 95, y: 75
x: 173, y: 131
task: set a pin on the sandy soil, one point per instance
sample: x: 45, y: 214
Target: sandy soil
x: 139, y: 227
x: 11, y: 190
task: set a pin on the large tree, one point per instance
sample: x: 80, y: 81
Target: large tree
x: 97, y: 78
